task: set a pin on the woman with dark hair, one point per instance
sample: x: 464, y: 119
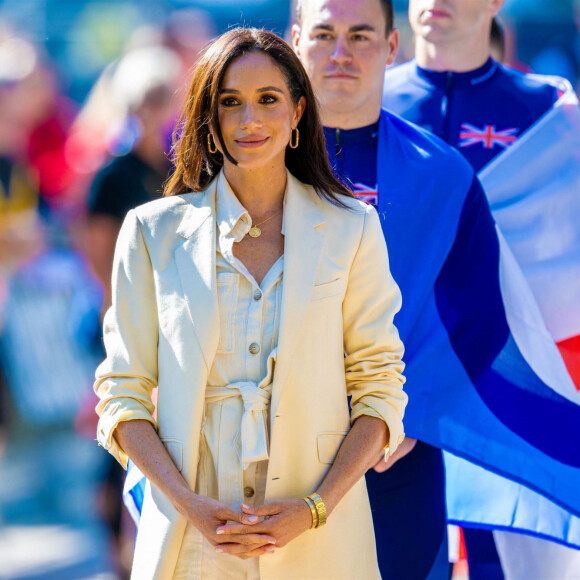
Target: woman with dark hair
x: 256, y: 296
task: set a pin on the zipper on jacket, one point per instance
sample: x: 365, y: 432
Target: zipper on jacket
x: 446, y: 106
x: 337, y: 151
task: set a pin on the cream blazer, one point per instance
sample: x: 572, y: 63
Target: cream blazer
x: 163, y: 328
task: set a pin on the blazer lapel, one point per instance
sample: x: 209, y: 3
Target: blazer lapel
x: 195, y: 260
x: 303, y: 244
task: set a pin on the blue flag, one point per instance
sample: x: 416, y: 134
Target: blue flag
x: 134, y: 491
x: 484, y: 377
x: 533, y: 192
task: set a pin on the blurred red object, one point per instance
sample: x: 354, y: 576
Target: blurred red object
x: 46, y: 151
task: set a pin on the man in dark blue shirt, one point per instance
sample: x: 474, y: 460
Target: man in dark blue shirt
x: 454, y: 89
x: 345, y: 47
x: 481, y: 112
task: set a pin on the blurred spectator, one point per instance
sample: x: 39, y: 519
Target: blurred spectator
x: 42, y: 116
x: 186, y: 32
x: 47, y: 320
x: 46, y: 147
x: 132, y: 111
x: 19, y: 226
x: 142, y: 83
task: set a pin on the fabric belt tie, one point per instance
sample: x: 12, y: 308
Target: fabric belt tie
x: 253, y: 433
x: 253, y: 423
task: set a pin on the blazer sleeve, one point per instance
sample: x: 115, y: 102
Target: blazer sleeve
x: 373, y: 350
x: 127, y: 377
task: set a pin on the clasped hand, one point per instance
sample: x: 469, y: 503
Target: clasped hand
x: 255, y: 530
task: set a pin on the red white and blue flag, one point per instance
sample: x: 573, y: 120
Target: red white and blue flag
x: 533, y: 189
x: 533, y: 192
x: 485, y: 379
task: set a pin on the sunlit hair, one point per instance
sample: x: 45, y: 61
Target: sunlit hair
x: 195, y: 166
x: 386, y: 5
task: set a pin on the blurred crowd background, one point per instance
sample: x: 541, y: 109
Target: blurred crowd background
x: 89, y: 96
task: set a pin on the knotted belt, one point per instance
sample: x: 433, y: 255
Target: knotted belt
x: 253, y: 425
x: 235, y: 434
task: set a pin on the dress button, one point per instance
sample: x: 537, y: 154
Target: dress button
x: 254, y: 348
x: 257, y: 295
x: 249, y: 491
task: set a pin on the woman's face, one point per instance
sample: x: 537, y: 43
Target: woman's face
x: 256, y: 112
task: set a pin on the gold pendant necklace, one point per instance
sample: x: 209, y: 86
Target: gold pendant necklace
x: 255, y: 231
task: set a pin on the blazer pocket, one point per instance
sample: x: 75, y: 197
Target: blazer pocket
x: 326, y: 290
x: 175, y: 449
x: 328, y: 444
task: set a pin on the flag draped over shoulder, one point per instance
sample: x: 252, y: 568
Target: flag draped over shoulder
x: 484, y: 378
x: 534, y: 192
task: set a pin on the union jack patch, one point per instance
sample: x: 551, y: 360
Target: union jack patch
x: 488, y: 137
x: 366, y: 193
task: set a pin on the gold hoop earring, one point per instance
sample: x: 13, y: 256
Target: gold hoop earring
x: 296, y: 141
x: 209, y: 141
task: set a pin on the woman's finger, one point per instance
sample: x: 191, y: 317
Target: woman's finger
x: 264, y: 550
x: 402, y: 450
x: 246, y: 539
x: 228, y: 514
x: 241, y: 529
x: 245, y: 551
x: 264, y: 510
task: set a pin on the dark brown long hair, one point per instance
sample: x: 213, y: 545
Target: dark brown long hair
x: 195, y: 166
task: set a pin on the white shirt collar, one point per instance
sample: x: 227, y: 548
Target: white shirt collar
x: 233, y: 218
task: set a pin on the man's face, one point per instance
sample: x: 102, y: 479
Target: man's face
x: 443, y: 21
x: 344, y: 48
